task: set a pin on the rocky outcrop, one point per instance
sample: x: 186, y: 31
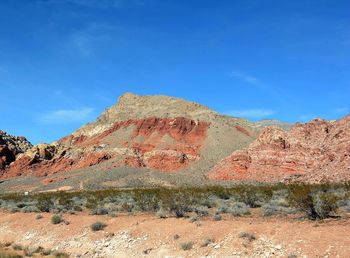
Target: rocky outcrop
x: 166, y: 144
x: 17, y: 144
x: 10, y: 147
x: 6, y: 156
x: 313, y: 152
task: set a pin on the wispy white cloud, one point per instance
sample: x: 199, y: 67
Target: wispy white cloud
x: 63, y: 116
x: 244, y: 77
x: 86, y: 3
x: 251, y: 113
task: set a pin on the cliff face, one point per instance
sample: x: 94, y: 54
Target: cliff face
x: 315, y: 152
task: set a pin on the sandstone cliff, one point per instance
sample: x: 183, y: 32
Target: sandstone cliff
x: 317, y: 151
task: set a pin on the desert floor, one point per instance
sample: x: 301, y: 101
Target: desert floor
x: 145, y: 235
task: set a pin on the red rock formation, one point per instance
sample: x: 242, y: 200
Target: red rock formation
x: 187, y: 138
x: 316, y: 151
x: 146, y: 144
x: 243, y: 130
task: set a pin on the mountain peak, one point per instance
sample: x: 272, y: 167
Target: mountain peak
x: 132, y: 106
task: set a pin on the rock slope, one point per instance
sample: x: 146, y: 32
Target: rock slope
x: 318, y: 151
x: 158, y: 133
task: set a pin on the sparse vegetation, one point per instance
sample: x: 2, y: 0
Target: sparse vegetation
x: 207, y: 241
x: 217, y: 217
x: 56, y: 219
x: 17, y: 247
x: 247, y: 235
x: 316, y: 201
x: 161, y: 213
x: 239, y: 209
x: 97, y: 226
x: 186, y: 245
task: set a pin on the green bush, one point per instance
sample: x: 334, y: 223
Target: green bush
x: 56, y: 219
x: 316, y: 202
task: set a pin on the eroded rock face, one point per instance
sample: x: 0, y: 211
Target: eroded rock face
x: 313, y: 152
x: 166, y: 144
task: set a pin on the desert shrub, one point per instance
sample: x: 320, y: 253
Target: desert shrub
x: 77, y: 208
x: 253, y: 196
x: 161, y: 213
x: 8, y: 254
x: 17, y: 247
x: 202, y: 211
x: 239, y: 209
x: 345, y: 205
x: 217, y: 217
x: 147, y: 199
x: 56, y: 219
x: 14, y: 209
x: 100, y: 211
x: 316, y: 202
x: 223, y: 208
x: 278, y: 204
x: 207, y: 241
x: 194, y: 218
x: 57, y: 254
x: 112, y: 214
x: 29, y: 209
x: 44, y: 203
x: 247, y: 235
x: 45, y: 252
x: 210, y: 202
x: 97, y: 226
x: 186, y: 245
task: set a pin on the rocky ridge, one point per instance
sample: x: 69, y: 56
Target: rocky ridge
x: 169, y: 135
x: 155, y: 132
x: 318, y: 151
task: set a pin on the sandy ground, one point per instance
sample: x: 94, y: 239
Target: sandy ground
x: 145, y: 235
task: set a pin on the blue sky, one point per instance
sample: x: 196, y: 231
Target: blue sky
x: 62, y: 62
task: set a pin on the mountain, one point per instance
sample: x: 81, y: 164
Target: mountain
x: 167, y: 141
x: 314, y: 152
x: 153, y: 139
